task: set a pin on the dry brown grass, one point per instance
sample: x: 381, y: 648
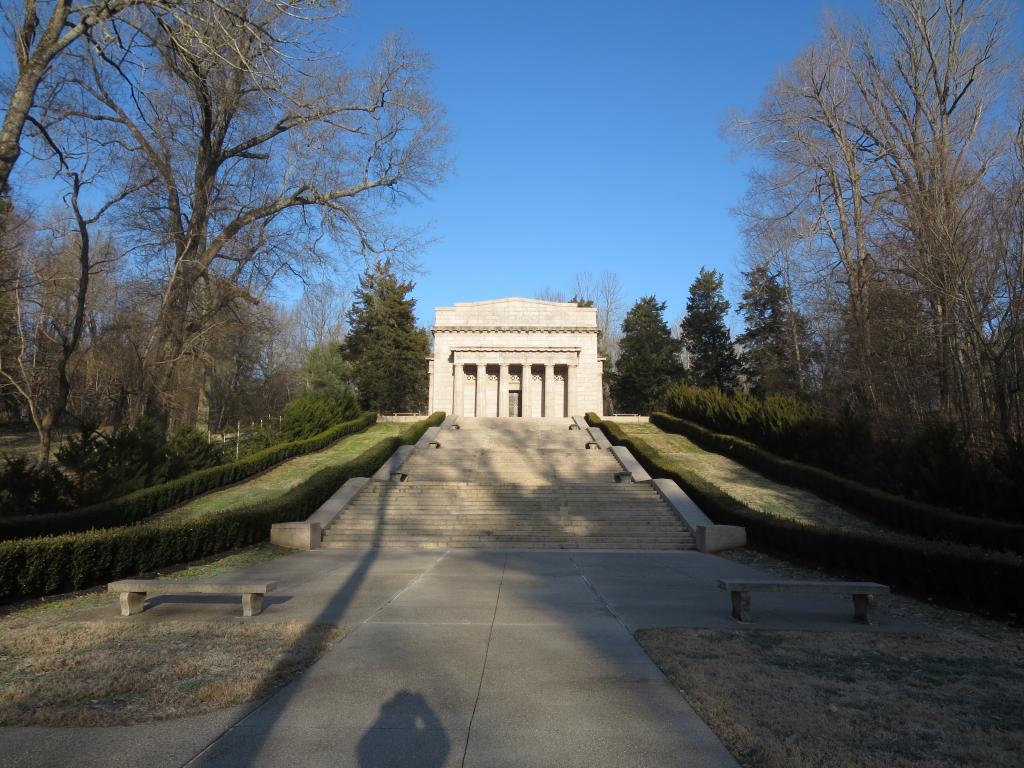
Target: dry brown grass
x: 110, y: 672
x: 852, y: 700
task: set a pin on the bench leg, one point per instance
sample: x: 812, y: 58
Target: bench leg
x: 864, y: 609
x: 252, y: 603
x: 740, y: 605
x: 132, y: 603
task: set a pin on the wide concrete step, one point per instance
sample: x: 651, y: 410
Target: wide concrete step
x: 530, y: 501
x: 507, y: 524
x: 448, y: 487
x: 459, y: 532
x: 426, y: 538
x: 418, y: 513
x: 509, y: 483
x: 492, y: 543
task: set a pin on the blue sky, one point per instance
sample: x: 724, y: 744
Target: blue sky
x: 586, y: 136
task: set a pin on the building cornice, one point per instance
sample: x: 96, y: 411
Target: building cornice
x: 513, y: 329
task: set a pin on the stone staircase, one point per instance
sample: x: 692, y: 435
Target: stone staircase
x: 529, y: 483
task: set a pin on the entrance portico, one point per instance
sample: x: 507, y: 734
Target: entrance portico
x: 516, y: 358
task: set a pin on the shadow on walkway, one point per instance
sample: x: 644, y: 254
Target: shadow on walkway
x: 424, y: 743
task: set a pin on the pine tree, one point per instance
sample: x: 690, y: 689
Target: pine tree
x: 387, y: 351
x: 649, y: 358
x: 712, y: 359
x: 774, y: 354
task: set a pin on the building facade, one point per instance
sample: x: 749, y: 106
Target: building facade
x: 515, y: 358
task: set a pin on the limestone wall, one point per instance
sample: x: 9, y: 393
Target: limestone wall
x: 517, y: 331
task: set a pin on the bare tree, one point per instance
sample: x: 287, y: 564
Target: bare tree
x: 927, y: 88
x: 40, y: 32
x: 50, y: 299
x: 322, y: 311
x: 606, y: 294
x: 260, y: 150
x: 809, y: 126
x: 548, y: 293
x: 892, y: 194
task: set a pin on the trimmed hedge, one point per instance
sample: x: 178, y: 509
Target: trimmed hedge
x: 981, y: 581
x: 925, y: 520
x: 148, y: 501
x: 929, y: 462
x: 43, y: 566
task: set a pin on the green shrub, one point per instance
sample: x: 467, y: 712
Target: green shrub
x: 190, y: 450
x: 42, y: 566
x: 313, y: 411
x: 26, y: 486
x: 107, y: 466
x: 929, y: 463
x: 896, y: 512
x: 148, y: 501
x: 982, y: 581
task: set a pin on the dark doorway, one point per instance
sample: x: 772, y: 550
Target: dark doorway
x: 513, y: 403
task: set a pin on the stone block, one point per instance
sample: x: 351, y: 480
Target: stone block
x: 304, y: 535
x: 341, y: 498
x: 684, y: 506
x: 392, y: 466
x: 429, y: 437
x: 252, y: 603
x: 630, y: 464
x: 716, y: 538
x: 599, y: 437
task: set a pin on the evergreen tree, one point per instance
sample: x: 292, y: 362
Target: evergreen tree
x: 387, y: 351
x: 774, y: 344
x: 649, y: 358
x: 712, y: 359
x: 327, y: 371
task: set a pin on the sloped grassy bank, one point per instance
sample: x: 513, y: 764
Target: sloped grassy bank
x: 50, y: 565
x: 148, y: 501
x: 925, y: 520
x: 951, y: 574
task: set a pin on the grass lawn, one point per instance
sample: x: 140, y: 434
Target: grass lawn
x: 61, y: 666
x: 852, y: 700
x: 753, y: 489
x: 282, y: 478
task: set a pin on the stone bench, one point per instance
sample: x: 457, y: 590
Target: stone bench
x: 863, y: 593
x: 134, y: 591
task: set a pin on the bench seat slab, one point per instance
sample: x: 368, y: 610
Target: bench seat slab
x: 820, y: 587
x: 133, y: 592
x: 864, y: 594
x: 185, y: 587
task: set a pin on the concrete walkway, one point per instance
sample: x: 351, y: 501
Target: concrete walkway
x: 456, y: 658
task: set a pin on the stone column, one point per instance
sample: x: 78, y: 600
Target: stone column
x: 549, y: 391
x: 481, y: 390
x: 525, y: 382
x: 503, y: 374
x: 481, y: 373
x: 458, y: 381
x: 430, y: 385
x: 570, y: 391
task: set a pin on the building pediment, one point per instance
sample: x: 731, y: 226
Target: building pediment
x: 515, y: 315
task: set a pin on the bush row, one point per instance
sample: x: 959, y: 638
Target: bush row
x: 929, y: 462
x: 982, y: 581
x: 921, y: 519
x: 148, y: 501
x: 49, y: 565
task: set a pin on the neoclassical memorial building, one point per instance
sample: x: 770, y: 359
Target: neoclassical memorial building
x: 516, y: 357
